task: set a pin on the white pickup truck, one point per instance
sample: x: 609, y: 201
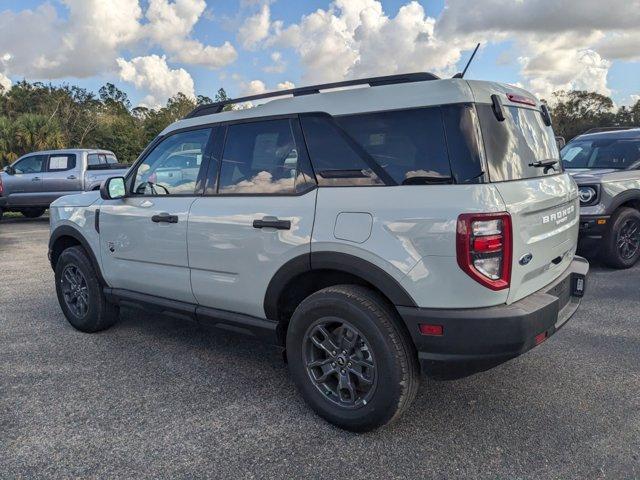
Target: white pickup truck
x: 32, y: 182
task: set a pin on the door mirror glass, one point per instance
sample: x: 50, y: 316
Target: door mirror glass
x: 10, y: 170
x: 113, y: 188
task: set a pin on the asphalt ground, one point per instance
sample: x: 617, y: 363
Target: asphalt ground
x: 156, y: 397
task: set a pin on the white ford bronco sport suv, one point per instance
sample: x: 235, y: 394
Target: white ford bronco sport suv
x: 413, y: 225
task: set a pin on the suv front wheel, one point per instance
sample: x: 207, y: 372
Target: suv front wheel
x: 622, y: 244
x: 80, y: 294
x: 350, y: 359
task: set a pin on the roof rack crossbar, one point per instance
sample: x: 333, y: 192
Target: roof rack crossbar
x: 217, y: 107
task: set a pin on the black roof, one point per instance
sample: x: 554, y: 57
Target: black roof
x: 217, y: 107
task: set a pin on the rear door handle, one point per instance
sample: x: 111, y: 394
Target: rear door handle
x: 272, y: 222
x: 35, y: 179
x: 164, y: 218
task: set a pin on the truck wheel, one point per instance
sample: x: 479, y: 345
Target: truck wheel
x: 33, y: 212
x: 352, y: 362
x: 80, y: 294
x: 622, y: 243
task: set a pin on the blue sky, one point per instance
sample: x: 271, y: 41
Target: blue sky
x: 153, y: 48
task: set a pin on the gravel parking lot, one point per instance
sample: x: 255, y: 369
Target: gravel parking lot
x: 156, y: 397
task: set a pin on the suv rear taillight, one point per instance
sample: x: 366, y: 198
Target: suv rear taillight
x: 484, y: 246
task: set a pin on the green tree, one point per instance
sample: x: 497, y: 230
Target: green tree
x: 7, y: 142
x: 38, y: 132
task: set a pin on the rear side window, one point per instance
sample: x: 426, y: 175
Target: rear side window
x: 259, y: 158
x: 101, y: 159
x: 409, y: 145
x: 60, y: 163
x: 513, y: 145
x: 335, y: 158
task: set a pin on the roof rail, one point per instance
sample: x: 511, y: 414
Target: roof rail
x: 608, y: 129
x: 217, y: 107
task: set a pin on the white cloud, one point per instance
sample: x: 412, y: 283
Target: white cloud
x: 562, y: 45
x: 278, y: 65
x: 153, y: 75
x: 635, y: 99
x: 87, y: 41
x: 357, y: 38
x: 253, y: 87
x: 286, y: 85
x: 171, y: 24
x: 5, y: 83
x: 255, y: 28
x: 567, y: 44
x: 42, y: 45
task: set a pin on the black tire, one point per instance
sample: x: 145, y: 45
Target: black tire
x: 622, y: 243
x: 98, y: 313
x: 33, y: 212
x: 391, y: 384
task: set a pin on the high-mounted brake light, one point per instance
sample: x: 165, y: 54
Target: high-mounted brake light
x: 515, y: 98
x: 484, y: 248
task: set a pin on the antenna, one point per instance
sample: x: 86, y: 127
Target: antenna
x: 461, y: 75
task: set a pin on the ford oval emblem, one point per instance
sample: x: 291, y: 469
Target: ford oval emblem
x: 525, y: 259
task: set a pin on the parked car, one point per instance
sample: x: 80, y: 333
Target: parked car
x: 420, y: 225
x: 606, y: 166
x: 32, y: 182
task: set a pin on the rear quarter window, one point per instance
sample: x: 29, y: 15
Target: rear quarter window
x: 409, y: 145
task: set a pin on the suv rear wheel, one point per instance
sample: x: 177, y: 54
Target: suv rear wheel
x: 350, y: 360
x: 622, y: 244
x: 80, y: 294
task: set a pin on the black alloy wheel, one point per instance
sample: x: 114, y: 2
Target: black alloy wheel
x: 340, y: 362
x: 628, y: 239
x: 75, y: 290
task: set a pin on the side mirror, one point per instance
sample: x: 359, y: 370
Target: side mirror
x: 561, y: 142
x: 113, y: 188
x: 10, y: 170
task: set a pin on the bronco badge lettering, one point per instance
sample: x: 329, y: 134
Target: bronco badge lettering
x: 560, y: 216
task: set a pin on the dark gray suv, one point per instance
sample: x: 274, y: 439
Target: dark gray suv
x: 606, y: 167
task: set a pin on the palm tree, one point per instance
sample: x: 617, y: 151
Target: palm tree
x: 38, y: 132
x: 7, y: 142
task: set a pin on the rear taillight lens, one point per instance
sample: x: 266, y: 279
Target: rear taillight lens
x: 1, y: 187
x: 484, y: 246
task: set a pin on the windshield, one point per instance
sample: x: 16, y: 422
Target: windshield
x: 601, y: 153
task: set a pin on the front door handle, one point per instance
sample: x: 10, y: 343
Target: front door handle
x: 272, y: 222
x: 164, y: 218
x: 71, y: 177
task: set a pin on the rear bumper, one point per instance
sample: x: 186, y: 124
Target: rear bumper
x: 474, y: 340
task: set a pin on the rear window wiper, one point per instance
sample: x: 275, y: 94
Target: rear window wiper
x: 547, y: 164
x: 544, y: 163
